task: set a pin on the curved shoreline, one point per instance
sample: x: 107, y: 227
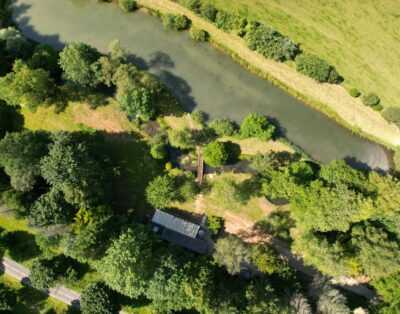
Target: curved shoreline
x: 371, y: 125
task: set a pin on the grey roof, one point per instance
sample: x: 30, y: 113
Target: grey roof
x: 197, y: 245
x: 176, y: 224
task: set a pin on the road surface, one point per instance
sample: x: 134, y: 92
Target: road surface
x: 59, y: 292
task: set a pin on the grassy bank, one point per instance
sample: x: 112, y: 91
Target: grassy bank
x: 360, y: 38
x: 333, y: 100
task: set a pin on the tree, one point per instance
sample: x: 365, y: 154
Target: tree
x: 223, y: 127
x: 266, y: 259
x: 317, y: 68
x: 181, y: 138
x: 128, y: 263
x: 208, y: 11
x: 51, y: 208
x: 266, y: 164
x: 43, y: 273
x: 27, y: 87
x: 338, y: 172
x: 178, y: 285
x: 97, y: 298
x: 388, y: 289
x: 327, y: 209
x: 231, y: 252
x: 10, y: 119
x: 77, y: 61
x: 198, y: 34
x: 300, y: 304
x: 162, y: 191
x: 127, y: 5
x: 139, y: 103
x: 176, y: 22
x: 215, y: 154
x: 45, y: 57
x: 20, y: 155
x: 8, y: 298
x: 332, y: 301
x: 255, y: 125
x: 225, y: 192
x: 18, y: 201
x: 16, y: 45
x: 126, y: 78
x: 78, y: 169
x: 158, y: 144
x: 261, y: 298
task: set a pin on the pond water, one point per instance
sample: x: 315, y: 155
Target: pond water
x: 201, y: 77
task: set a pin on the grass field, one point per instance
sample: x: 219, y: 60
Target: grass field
x: 31, y: 301
x: 360, y: 38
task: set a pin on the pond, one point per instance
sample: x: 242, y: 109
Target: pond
x: 202, y: 77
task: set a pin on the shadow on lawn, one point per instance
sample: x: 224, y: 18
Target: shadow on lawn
x: 21, y: 246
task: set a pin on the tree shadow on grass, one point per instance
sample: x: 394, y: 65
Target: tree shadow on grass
x: 21, y: 246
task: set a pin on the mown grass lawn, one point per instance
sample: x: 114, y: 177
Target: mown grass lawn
x: 360, y: 38
x: 30, y: 300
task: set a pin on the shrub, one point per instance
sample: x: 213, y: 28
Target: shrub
x: 127, y: 5
x: 97, y: 298
x: 354, y: 92
x: 215, y: 154
x: 176, y: 22
x: 193, y: 5
x: 209, y: 12
x: 371, y: 99
x: 223, y: 127
x: 198, y: 34
x: 317, y: 68
x: 231, y: 22
x: 198, y: 117
x: 255, y: 125
x: 214, y: 224
x: 162, y: 191
x: 392, y: 114
x: 270, y: 43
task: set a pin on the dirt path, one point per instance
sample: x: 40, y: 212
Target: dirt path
x: 334, y: 97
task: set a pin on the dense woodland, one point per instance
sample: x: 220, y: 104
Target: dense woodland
x: 343, y: 221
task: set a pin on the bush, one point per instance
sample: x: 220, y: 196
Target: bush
x: 176, y: 22
x: 223, y: 127
x: 231, y: 22
x: 317, y: 68
x: 97, y: 298
x: 215, y: 154
x: 214, y: 224
x: 198, y: 117
x: 193, y: 5
x: 209, y: 12
x: 270, y: 43
x: 371, y: 100
x: 255, y: 125
x: 127, y: 5
x: 162, y: 191
x: 392, y: 114
x: 43, y: 273
x: 198, y: 34
x: 354, y: 92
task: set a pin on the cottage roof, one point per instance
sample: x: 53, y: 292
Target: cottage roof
x: 176, y: 224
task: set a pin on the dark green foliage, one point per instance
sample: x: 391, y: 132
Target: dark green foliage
x: 19, y: 202
x: 162, y: 191
x: 97, y: 298
x: 178, y: 285
x: 266, y: 164
x: 8, y: 299
x: 127, y: 5
x: 76, y: 61
x: 208, y: 11
x: 255, y: 125
x: 10, y: 119
x: 181, y: 138
x: 261, y: 298
x: 48, y: 241
x: 16, y: 46
x: 215, y: 154
x: 27, y: 87
x: 230, y: 22
x: 279, y: 185
x: 158, y: 149
x: 45, y: 57
x: 223, y: 127
x: 317, y: 68
x: 78, y: 168
x: 230, y: 252
x: 392, y: 115
x: 270, y: 43
x: 354, y: 92
x: 198, y: 117
x: 371, y: 100
x: 139, y: 104
x: 128, y: 263
x: 277, y: 224
x: 176, y: 22
x: 193, y: 5
x: 266, y: 259
x: 20, y: 155
x: 43, y: 273
x: 50, y: 209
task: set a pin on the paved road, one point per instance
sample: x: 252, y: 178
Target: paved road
x: 59, y: 292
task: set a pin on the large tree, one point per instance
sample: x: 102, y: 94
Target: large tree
x: 20, y: 155
x: 128, y: 263
x: 77, y: 61
x: 43, y: 273
x: 162, y: 191
x: 27, y: 87
x: 255, y: 125
x: 97, y: 298
x: 139, y: 103
x: 75, y: 167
